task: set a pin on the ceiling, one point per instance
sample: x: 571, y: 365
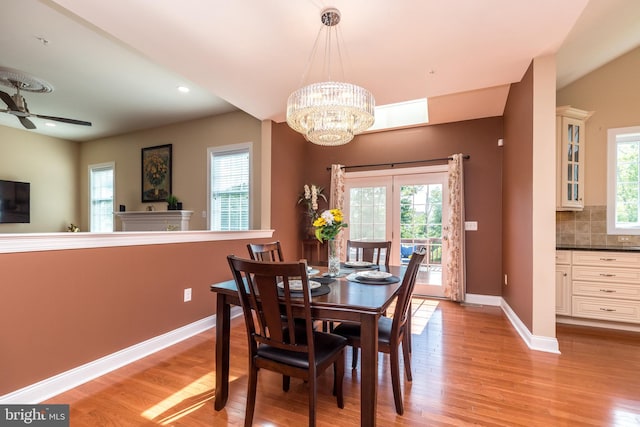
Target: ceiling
x: 118, y: 63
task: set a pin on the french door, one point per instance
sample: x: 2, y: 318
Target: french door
x: 407, y: 207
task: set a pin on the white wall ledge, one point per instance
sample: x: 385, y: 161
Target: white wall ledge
x: 35, y: 242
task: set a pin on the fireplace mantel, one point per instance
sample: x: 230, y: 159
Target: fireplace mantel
x: 155, y: 220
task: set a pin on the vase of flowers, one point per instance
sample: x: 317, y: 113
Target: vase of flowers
x: 309, y: 198
x: 328, y: 225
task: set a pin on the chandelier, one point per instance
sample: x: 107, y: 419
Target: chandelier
x: 330, y: 112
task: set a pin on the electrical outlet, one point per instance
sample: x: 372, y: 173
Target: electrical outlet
x: 506, y: 282
x: 624, y: 238
x: 187, y: 295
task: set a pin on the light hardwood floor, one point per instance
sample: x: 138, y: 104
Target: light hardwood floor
x: 470, y: 368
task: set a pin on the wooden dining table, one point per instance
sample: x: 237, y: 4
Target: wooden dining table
x: 346, y: 301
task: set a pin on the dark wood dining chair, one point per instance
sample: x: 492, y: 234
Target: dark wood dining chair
x: 266, y: 251
x: 374, y: 252
x: 279, y: 345
x: 392, y: 331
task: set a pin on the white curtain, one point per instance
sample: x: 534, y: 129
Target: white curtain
x: 336, y: 201
x: 455, y: 286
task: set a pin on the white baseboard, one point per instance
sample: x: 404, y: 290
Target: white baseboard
x: 598, y: 324
x: 534, y: 342
x: 492, y: 300
x: 64, y: 381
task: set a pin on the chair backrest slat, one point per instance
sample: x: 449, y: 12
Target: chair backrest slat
x: 265, y: 251
x: 400, y: 314
x: 369, y: 251
x: 273, y: 306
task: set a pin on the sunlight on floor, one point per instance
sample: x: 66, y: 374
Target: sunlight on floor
x: 421, y: 311
x: 184, y: 401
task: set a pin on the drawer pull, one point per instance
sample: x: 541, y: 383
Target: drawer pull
x: 607, y: 259
x: 607, y: 290
x: 606, y: 309
x: 607, y: 275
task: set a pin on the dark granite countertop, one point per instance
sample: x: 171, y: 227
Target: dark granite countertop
x: 598, y: 248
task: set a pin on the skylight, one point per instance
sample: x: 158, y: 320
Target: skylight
x: 401, y: 114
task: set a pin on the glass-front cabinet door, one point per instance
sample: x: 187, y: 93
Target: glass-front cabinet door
x: 570, y: 134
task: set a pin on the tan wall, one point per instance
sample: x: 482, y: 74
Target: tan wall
x: 190, y: 141
x: 613, y: 93
x: 50, y: 165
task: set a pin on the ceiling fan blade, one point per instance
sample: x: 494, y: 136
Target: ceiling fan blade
x: 26, y: 122
x: 21, y: 116
x: 9, y: 101
x: 62, y: 119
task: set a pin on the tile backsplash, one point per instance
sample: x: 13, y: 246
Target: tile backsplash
x: 588, y: 227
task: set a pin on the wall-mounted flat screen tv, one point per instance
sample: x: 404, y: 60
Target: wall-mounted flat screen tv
x: 14, y: 202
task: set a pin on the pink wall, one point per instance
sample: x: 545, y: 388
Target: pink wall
x: 294, y: 166
x: 517, y: 203
x: 62, y: 309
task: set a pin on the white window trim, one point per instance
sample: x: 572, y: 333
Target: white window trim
x: 111, y: 165
x: 226, y: 149
x: 612, y: 160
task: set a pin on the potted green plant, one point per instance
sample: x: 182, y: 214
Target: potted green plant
x: 172, y: 202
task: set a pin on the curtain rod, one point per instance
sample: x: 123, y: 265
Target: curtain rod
x: 441, y: 159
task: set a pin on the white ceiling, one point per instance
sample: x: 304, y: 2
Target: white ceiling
x: 117, y: 63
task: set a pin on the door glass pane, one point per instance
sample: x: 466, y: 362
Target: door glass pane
x: 421, y: 221
x: 576, y: 154
x: 367, y: 213
x: 575, y: 191
x: 569, y: 192
x: 569, y: 174
x: 576, y: 134
x: 570, y: 152
x: 575, y: 172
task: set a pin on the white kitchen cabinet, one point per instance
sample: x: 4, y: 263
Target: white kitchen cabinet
x: 563, y: 282
x: 570, y: 155
x: 606, y: 285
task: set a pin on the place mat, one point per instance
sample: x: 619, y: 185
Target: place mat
x: 322, y: 290
x: 324, y: 280
x: 353, y: 277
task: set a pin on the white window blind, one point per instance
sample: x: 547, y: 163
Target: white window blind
x: 101, y: 196
x: 230, y: 178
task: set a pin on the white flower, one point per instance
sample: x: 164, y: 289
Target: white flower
x: 328, y: 217
x: 306, y: 192
x: 314, y: 197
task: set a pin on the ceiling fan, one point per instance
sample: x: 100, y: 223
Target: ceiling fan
x: 17, y: 105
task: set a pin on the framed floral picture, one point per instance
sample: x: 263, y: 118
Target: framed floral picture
x: 156, y: 173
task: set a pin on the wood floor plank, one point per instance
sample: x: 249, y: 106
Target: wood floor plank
x: 470, y: 368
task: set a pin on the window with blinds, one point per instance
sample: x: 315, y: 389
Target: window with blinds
x: 101, y: 197
x: 230, y: 172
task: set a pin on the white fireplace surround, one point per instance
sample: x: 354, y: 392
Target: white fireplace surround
x: 155, y: 220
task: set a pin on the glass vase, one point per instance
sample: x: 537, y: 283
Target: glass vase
x: 334, y: 257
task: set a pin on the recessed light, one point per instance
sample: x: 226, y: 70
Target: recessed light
x: 183, y: 89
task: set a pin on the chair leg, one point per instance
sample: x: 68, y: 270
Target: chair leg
x: 313, y: 397
x: 286, y: 382
x: 395, y: 379
x: 251, y: 396
x: 354, y: 357
x: 338, y: 379
x: 406, y: 351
